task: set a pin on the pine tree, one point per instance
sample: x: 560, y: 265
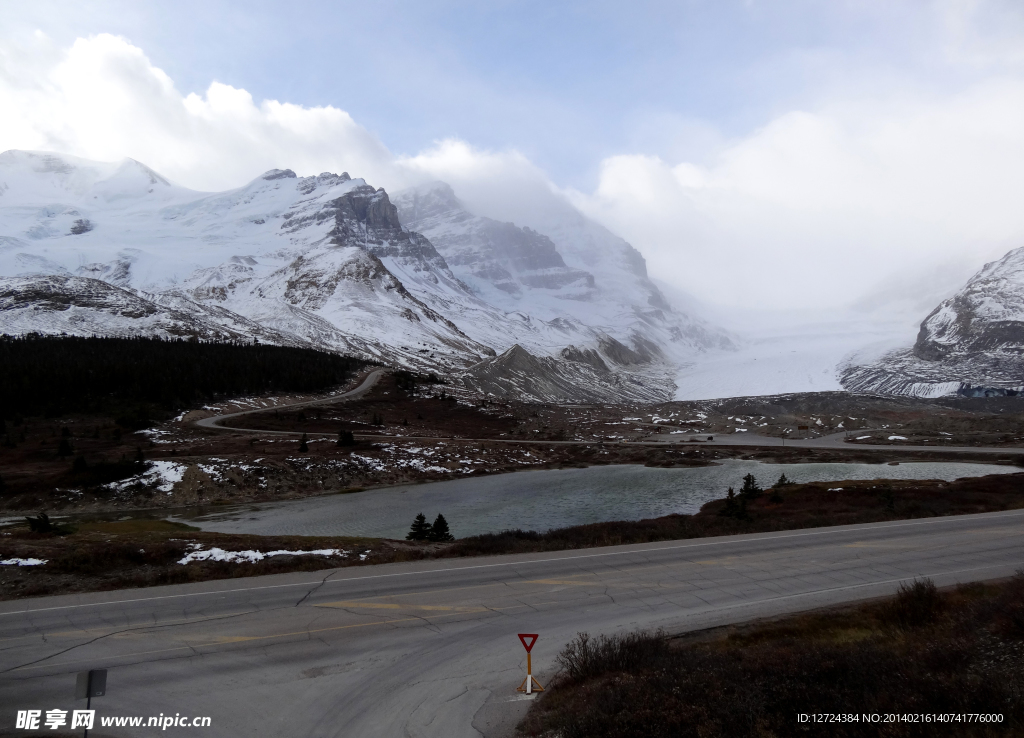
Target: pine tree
x: 3, y: 486
x: 731, y: 509
x: 750, y: 490
x: 345, y: 438
x: 420, y: 530
x: 64, y: 448
x: 303, y: 445
x: 775, y: 497
x: 439, y: 530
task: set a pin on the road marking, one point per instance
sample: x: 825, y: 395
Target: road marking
x: 572, y: 582
x: 633, y: 552
x: 726, y: 560
x: 865, y: 544
x: 397, y: 606
x: 234, y: 639
x: 227, y: 640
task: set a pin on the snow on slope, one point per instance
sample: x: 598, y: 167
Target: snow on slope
x: 582, y: 285
x: 325, y: 261
x: 784, y: 353
x: 972, y: 342
x: 276, y: 252
x: 83, y: 306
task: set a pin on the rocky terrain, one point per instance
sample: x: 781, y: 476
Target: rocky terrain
x: 971, y: 344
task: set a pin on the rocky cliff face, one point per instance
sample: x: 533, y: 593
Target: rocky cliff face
x: 971, y: 343
x: 495, y: 259
x: 585, y: 277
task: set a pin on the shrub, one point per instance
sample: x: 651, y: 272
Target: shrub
x: 585, y: 657
x: 915, y: 605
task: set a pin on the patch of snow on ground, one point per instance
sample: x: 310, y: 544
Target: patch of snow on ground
x: 161, y: 474
x: 219, y: 554
x: 897, y: 438
x: 23, y: 562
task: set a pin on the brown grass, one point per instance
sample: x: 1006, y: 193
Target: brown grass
x: 142, y: 553
x: 920, y: 652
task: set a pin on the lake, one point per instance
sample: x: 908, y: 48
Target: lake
x: 543, y: 499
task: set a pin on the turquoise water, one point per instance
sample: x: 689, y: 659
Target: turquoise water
x: 539, y: 500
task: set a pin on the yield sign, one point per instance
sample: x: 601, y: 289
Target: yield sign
x: 532, y: 637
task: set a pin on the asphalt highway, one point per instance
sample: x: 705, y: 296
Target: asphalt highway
x: 216, y: 422
x: 747, y: 439
x: 429, y: 648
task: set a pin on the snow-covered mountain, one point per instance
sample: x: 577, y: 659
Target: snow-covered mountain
x: 577, y: 284
x: 329, y: 261
x: 972, y: 343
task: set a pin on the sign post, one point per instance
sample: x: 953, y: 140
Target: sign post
x: 92, y: 683
x: 529, y: 685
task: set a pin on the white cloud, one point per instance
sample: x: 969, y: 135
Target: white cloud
x: 814, y: 208
x: 818, y: 205
x: 103, y: 99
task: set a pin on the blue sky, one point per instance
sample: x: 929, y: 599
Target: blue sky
x: 838, y: 146
x: 567, y: 84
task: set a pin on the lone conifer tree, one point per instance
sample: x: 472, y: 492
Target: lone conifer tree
x: 64, y: 448
x: 420, y: 530
x: 303, y: 446
x: 783, y: 482
x: 439, y: 530
x: 750, y: 490
x: 345, y: 438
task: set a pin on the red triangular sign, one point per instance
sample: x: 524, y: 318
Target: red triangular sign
x: 532, y: 638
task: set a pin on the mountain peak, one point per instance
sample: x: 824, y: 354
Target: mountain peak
x: 427, y: 200
x: 278, y: 174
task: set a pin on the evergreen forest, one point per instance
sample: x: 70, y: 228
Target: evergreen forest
x: 140, y: 380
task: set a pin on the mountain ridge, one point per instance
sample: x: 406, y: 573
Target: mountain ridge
x: 323, y: 261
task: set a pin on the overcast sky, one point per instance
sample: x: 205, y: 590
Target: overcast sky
x: 783, y: 153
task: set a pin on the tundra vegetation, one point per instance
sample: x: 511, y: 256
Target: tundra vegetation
x: 90, y: 555
x: 922, y: 652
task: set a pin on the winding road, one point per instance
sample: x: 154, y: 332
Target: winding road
x: 834, y: 441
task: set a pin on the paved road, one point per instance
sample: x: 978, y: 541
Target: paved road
x: 748, y: 439
x: 838, y: 440
x: 429, y: 648
x: 754, y: 440
x: 217, y: 421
